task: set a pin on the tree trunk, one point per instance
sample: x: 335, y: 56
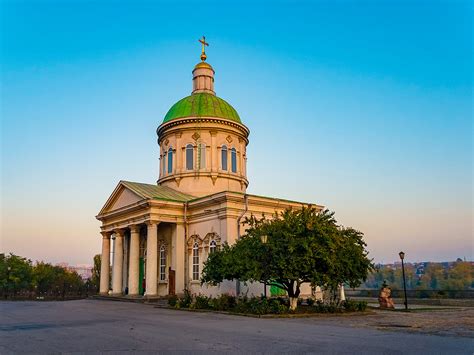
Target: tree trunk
x: 293, y: 303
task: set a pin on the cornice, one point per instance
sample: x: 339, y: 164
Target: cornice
x: 180, y: 121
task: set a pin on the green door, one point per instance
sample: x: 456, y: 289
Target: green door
x: 276, y: 291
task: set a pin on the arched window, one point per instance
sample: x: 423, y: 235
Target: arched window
x: 233, y: 160
x: 212, y: 246
x: 170, y: 160
x: 162, y: 263
x: 224, y: 157
x: 189, y: 157
x: 202, y: 156
x: 196, y: 261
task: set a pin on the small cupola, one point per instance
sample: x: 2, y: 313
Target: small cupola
x: 203, y: 73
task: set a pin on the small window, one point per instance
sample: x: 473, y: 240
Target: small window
x: 202, y: 156
x: 212, y: 246
x: 189, y: 157
x: 162, y: 263
x: 196, y: 261
x: 170, y: 161
x: 233, y: 159
x: 224, y: 157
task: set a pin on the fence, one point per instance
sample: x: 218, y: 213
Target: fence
x: 397, y: 293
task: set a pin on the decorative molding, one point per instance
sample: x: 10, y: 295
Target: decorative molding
x: 229, y: 139
x: 196, y: 136
x: 210, y: 237
x: 194, y: 239
x: 162, y: 243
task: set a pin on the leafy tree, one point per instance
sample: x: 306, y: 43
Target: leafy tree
x: 302, y: 246
x: 49, y: 278
x: 95, y: 278
x: 15, y: 274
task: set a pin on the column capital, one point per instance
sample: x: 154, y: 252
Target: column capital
x: 134, y: 228
x: 105, y: 235
x: 152, y: 223
x: 119, y: 233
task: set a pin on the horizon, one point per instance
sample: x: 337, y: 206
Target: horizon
x: 378, y: 103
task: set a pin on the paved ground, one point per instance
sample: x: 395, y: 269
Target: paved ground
x: 87, y: 326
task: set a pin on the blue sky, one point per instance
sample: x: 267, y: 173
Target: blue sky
x: 365, y: 107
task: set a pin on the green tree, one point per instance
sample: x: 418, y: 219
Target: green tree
x: 95, y: 278
x: 15, y: 274
x: 302, y: 246
x: 56, y: 280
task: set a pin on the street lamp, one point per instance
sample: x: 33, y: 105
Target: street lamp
x: 402, y: 256
x: 264, y: 239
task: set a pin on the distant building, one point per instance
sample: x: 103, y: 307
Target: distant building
x: 84, y: 271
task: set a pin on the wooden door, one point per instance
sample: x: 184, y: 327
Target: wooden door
x: 171, y: 282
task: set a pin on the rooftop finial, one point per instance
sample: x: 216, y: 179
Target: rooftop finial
x: 204, y: 44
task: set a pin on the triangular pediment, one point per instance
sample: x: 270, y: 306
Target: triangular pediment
x: 121, y: 197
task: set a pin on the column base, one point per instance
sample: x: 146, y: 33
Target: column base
x: 117, y: 294
x: 104, y: 293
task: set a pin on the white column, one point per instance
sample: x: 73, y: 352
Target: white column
x: 133, y: 267
x: 152, y: 259
x: 117, y: 274
x: 105, y: 264
x: 177, y: 256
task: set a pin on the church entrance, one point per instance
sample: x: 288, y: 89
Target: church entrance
x: 171, y: 282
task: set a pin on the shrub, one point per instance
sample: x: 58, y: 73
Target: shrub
x: 332, y: 307
x: 201, y: 302
x: 186, y: 301
x: 354, y: 306
x: 284, y: 301
x: 224, y: 302
x: 310, y: 301
x: 275, y: 307
x: 173, y: 300
x: 361, y: 306
x: 349, y: 305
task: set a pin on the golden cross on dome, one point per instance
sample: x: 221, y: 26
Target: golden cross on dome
x: 204, y: 44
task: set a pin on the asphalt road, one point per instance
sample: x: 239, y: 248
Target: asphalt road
x: 93, y: 326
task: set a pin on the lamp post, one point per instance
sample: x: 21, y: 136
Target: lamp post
x: 402, y: 256
x: 264, y: 239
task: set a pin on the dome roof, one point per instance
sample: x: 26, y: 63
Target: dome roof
x: 202, y: 105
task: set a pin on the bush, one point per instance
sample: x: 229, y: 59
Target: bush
x: 321, y: 307
x: 201, y: 302
x: 186, y: 301
x: 276, y: 307
x: 310, y: 301
x: 354, y: 306
x: 224, y: 302
x: 173, y: 300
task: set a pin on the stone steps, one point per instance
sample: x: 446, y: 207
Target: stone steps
x: 158, y: 301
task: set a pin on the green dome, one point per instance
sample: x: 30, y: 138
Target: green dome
x: 202, y: 105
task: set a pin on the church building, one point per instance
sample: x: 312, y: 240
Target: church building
x: 161, y: 234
